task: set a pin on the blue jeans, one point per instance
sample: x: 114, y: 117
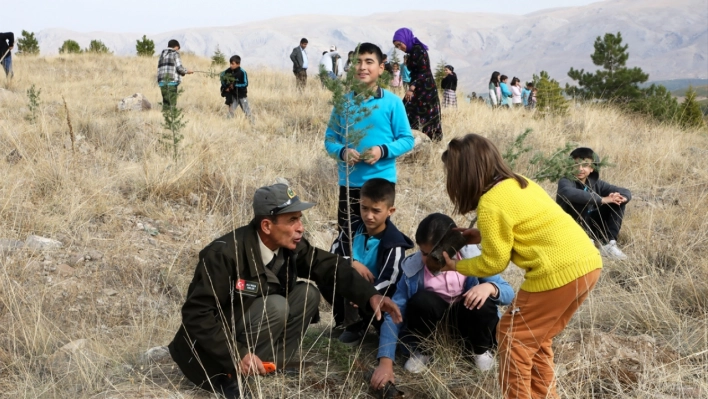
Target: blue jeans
x: 7, y: 65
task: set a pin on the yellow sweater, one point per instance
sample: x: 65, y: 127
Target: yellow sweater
x: 527, y: 227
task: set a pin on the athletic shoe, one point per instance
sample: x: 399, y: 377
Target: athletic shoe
x: 485, y: 361
x: 611, y: 251
x: 352, y: 336
x: 417, y: 363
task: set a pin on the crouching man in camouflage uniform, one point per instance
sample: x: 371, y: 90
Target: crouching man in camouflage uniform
x: 245, y: 306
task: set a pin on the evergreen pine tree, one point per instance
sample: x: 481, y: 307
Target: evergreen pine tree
x: 70, y: 47
x: 394, y: 57
x: 657, y: 103
x: 145, y: 47
x: 27, y: 44
x: 691, y: 114
x: 549, y: 97
x: 615, y: 82
x: 439, y: 74
x: 97, y: 47
x: 218, y: 59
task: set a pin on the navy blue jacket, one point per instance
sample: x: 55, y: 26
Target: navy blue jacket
x: 392, y: 250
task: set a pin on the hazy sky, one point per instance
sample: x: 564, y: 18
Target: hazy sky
x: 149, y: 16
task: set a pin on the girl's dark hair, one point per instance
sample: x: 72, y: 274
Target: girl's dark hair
x: 433, y: 228
x: 473, y: 165
x: 495, y: 78
x: 503, y: 78
x: 514, y: 80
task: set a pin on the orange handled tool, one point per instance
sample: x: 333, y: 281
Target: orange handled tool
x: 269, y: 367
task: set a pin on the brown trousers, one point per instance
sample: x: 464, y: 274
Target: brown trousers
x: 301, y: 78
x: 525, y: 335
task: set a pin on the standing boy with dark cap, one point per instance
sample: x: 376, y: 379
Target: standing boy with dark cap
x: 245, y: 304
x: 169, y: 73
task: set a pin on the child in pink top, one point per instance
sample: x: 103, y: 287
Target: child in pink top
x: 396, y: 82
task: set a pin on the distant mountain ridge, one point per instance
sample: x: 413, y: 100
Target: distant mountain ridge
x: 667, y: 39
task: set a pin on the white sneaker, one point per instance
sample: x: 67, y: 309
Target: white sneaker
x: 417, y: 363
x: 611, y: 251
x: 485, y: 361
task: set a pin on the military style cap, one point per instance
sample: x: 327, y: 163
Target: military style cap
x: 277, y: 199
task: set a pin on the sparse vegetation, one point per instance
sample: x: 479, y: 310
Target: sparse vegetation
x: 70, y: 47
x: 27, y: 44
x: 439, y: 74
x: 33, y: 103
x: 145, y: 47
x: 218, y: 59
x: 97, y: 47
x: 550, y: 99
x: 132, y: 223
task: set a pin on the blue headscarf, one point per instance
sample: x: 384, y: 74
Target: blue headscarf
x: 405, y: 36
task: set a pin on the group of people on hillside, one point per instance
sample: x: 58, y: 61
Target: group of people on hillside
x: 511, y: 95
x: 249, y: 303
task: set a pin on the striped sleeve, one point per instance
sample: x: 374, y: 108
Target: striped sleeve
x: 390, y: 271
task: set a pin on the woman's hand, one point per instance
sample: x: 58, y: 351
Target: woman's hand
x: 363, y: 270
x: 477, y: 295
x: 450, y: 264
x: 409, y: 95
x: 472, y: 236
x: 382, y: 374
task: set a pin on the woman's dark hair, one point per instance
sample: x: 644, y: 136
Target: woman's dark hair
x: 474, y: 165
x: 514, y: 80
x: 503, y: 78
x: 495, y: 78
x: 433, y: 228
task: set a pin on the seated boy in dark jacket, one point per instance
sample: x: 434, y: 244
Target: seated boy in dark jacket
x: 234, y: 87
x: 378, y: 249
x: 595, y: 204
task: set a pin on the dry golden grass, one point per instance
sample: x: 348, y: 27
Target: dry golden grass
x: 127, y: 297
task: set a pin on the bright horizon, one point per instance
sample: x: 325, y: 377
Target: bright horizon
x: 91, y: 15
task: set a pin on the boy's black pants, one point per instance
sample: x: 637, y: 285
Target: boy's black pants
x: 477, y: 327
x: 604, y: 223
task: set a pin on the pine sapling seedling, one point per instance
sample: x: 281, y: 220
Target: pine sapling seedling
x: 173, y: 122
x: 33, y: 104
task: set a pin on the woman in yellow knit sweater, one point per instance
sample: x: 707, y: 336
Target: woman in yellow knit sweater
x: 519, y: 222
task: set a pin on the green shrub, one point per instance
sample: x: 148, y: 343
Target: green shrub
x: 145, y: 47
x: 27, y: 44
x: 70, y: 47
x: 97, y: 47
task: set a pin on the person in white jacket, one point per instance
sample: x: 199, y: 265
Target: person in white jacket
x: 516, y: 100
x: 332, y: 63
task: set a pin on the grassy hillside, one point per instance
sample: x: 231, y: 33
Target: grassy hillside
x: 131, y: 222
x: 701, y: 91
x: 678, y: 84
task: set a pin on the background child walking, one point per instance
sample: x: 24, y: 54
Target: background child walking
x: 520, y: 222
x: 234, y: 87
x: 396, y: 82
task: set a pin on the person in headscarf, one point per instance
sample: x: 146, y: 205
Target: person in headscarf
x: 449, y: 86
x: 421, y: 98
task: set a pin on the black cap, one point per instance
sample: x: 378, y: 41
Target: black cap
x: 277, y: 199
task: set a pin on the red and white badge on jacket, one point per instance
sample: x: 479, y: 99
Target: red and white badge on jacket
x: 246, y: 287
